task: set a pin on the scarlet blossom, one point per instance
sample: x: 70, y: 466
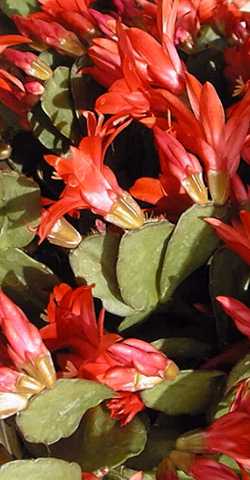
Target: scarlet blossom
x: 228, y: 434
x: 28, y: 62
x: 206, y: 133
x: 196, y: 466
x: 11, y: 40
x: 25, y: 345
x: 87, y: 351
x: 183, y: 165
x: 239, y: 312
x: 26, y: 365
x: 236, y: 237
x: 90, y: 183
x: 125, y: 406
x: 49, y: 33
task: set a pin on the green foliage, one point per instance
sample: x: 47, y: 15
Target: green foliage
x: 106, y: 444
x: 56, y: 102
x: 56, y: 413
x: 26, y: 281
x: 191, y: 244
x: 40, y: 469
x: 21, y: 7
x: 19, y: 209
x: 94, y: 261
x: 139, y: 262
x: 45, y: 132
x: 191, y: 393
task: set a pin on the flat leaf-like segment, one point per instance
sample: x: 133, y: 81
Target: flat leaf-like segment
x: 19, y: 209
x: 106, y: 443
x: 57, y: 103
x: 56, y: 413
x: 15, y: 7
x: 190, y: 246
x: 191, y: 393
x: 139, y: 262
x: 25, y: 280
x: 94, y: 260
x: 40, y: 469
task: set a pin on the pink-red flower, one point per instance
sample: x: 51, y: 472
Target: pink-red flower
x: 86, y: 350
x: 236, y: 237
x: 239, y: 312
x: 26, y: 364
x: 90, y: 183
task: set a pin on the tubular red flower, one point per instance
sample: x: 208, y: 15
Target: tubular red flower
x: 125, y: 406
x: 26, y: 347
x: 236, y: 237
x: 239, y: 312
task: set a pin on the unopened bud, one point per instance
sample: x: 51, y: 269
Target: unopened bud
x: 126, y: 213
x: 64, y: 234
x: 196, y: 188
x: 219, y: 186
x: 45, y: 371
x: 71, y: 45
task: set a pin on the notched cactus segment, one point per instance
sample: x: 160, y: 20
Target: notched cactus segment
x: 40, y: 469
x: 56, y: 413
x: 95, y: 262
x: 190, y: 394
x: 139, y: 263
x: 19, y: 209
x: 190, y: 246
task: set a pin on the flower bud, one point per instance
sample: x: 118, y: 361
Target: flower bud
x: 29, y: 63
x: 64, y: 234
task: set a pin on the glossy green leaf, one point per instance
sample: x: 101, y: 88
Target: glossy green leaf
x: 94, y: 261
x: 40, y: 469
x: 45, y: 132
x: 139, y: 262
x: 57, y: 103
x: 19, y: 209
x: 56, y: 413
x: 191, y: 393
x: 26, y: 281
x: 106, y: 443
x: 241, y: 371
x: 229, y: 276
x: 191, y: 244
x: 19, y: 7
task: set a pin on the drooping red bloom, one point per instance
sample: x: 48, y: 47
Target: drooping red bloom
x: 236, y: 237
x: 86, y: 350
x: 197, y: 467
x: 41, y: 29
x: 11, y: 40
x: 90, y: 183
x: 228, y: 434
x: 239, y: 312
x: 25, y: 346
x: 125, y: 406
x: 26, y: 365
x: 28, y: 62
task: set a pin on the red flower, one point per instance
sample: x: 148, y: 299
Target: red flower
x: 229, y: 435
x: 205, y: 468
x: 90, y: 183
x: 125, y: 406
x: 237, y: 236
x: 25, y: 346
x: 10, y: 40
x: 28, y: 62
x: 124, y: 365
x: 239, y: 312
x: 41, y: 29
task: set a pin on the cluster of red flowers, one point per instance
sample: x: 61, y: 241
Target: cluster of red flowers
x: 134, y: 52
